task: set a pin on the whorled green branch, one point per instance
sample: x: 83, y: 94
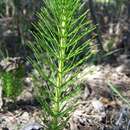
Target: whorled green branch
x: 62, y: 37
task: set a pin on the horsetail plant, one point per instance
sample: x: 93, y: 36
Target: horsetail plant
x: 62, y: 44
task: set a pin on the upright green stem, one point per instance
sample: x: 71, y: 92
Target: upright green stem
x: 59, y: 32
x: 60, y: 69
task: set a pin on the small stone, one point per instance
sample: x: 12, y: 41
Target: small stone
x: 87, y: 92
x: 25, y: 96
x: 98, y: 106
x: 120, y: 68
x: 25, y: 117
x: 33, y: 126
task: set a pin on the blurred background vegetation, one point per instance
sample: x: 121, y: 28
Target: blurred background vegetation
x: 112, y: 18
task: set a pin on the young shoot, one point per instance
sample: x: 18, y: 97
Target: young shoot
x: 62, y: 44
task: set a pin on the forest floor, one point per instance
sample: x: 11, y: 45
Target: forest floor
x: 99, y: 107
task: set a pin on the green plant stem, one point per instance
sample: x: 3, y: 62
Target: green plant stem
x: 60, y: 69
x: 59, y: 34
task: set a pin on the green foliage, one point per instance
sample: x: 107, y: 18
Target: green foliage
x: 7, y: 84
x: 62, y: 44
x: 117, y: 92
x: 12, y: 83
